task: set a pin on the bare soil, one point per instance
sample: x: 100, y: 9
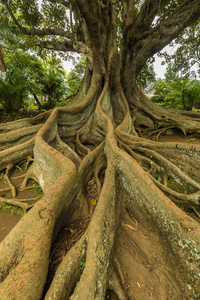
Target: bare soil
x: 7, y: 222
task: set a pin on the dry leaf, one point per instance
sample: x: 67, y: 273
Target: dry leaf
x: 131, y: 227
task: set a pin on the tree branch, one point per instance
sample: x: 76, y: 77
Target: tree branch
x: 170, y: 28
x: 63, y: 2
x: 149, y: 10
x: 66, y: 46
x: 157, y: 38
x: 38, y: 32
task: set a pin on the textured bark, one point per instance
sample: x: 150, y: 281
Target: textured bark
x: 103, y: 136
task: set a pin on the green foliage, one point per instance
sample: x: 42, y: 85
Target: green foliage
x: 36, y: 186
x: 14, y: 88
x: 156, y: 176
x: 75, y: 78
x: 11, y: 209
x: 176, y: 92
x: 185, y: 58
x: 28, y: 75
x: 82, y: 265
x: 53, y: 87
x: 146, y: 77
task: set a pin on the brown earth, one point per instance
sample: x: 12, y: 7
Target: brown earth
x: 7, y: 222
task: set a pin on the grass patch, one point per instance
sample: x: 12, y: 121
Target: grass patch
x: 11, y: 209
x: 36, y: 187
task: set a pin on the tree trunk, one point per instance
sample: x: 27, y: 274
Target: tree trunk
x: 37, y: 101
x: 2, y: 60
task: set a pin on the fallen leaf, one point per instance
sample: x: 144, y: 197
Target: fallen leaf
x: 131, y: 227
x: 93, y: 202
x: 91, y: 182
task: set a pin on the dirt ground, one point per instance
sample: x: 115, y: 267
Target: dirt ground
x: 7, y: 222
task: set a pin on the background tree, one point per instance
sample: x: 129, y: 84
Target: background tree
x: 146, y: 77
x: 176, y: 91
x: 185, y: 52
x: 75, y: 78
x: 100, y: 137
x: 50, y: 83
x: 14, y: 88
x: 44, y: 80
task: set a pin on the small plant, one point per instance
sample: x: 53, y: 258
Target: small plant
x: 156, y: 176
x: 23, y: 165
x: 82, y: 265
x: 180, y: 206
x: 11, y: 209
x: 36, y: 186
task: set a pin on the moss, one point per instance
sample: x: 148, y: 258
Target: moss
x: 176, y: 186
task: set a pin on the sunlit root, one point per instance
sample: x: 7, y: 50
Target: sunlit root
x: 7, y: 179
x: 17, y: 137
x: 29, y: 160
x: 170, y: 168
x: 191, y: 198
x: 16, y: 154
x: 19, y: 203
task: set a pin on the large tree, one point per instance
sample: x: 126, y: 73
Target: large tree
x: 138, y: 244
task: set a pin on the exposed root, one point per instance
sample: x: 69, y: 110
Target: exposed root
x: 191, y: 198
x: 142, y: 159
x: 68, y: 151
x: 19, y: 202
x: 7, y: 179
x: 68, y: 272
x: 158, y: 132
x: 115, y: 285
x: 170, y: 168
x: 196, y: 212
x: 18, y: 177
x: 16, y: 154
x: 82, y: 150
x: 29, y: 160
